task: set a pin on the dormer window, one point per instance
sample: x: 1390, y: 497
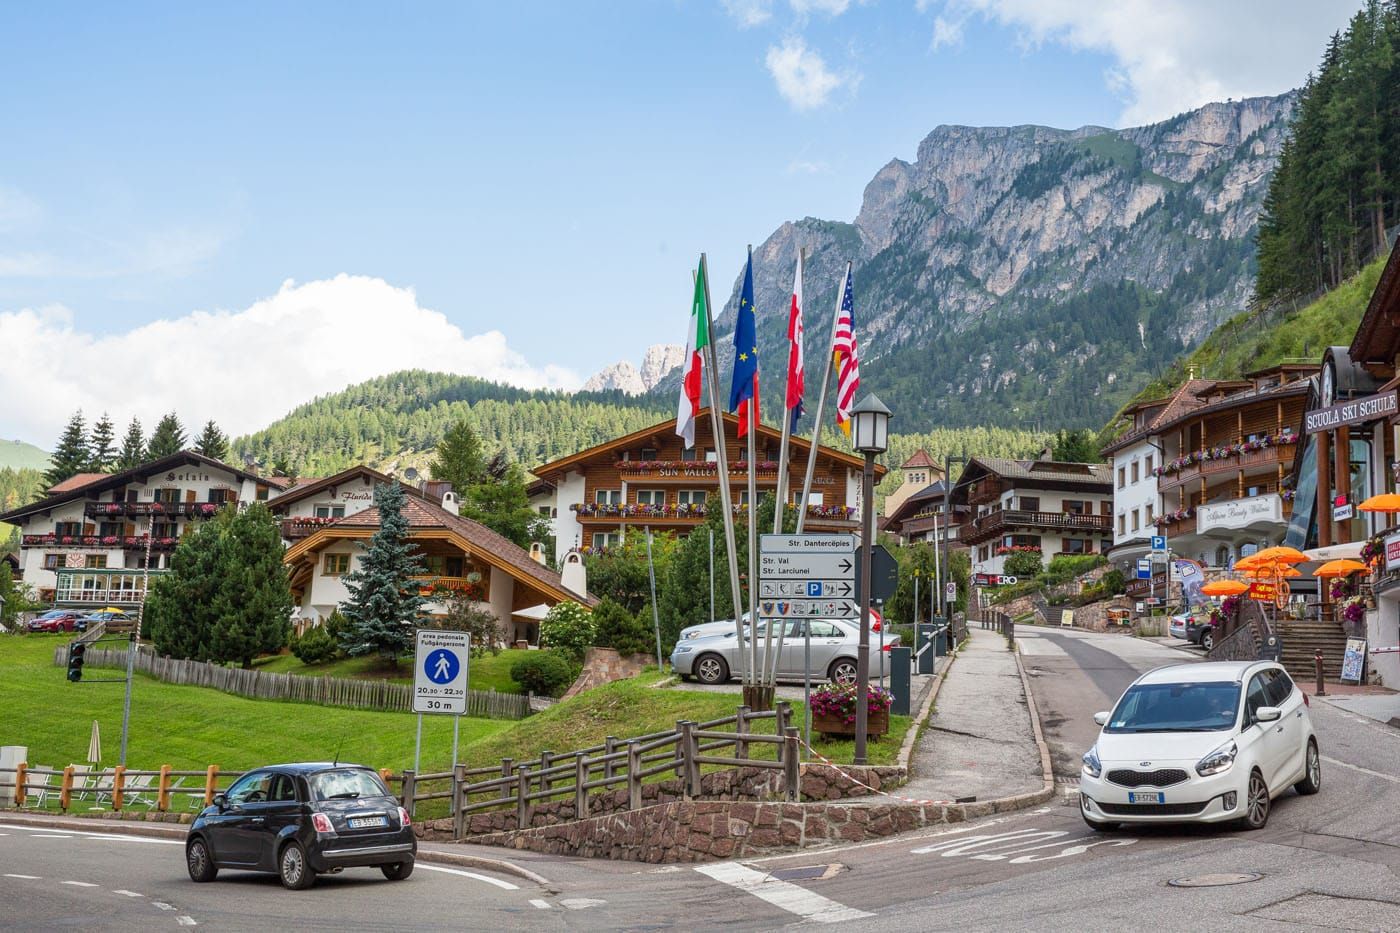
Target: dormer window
x: 648, y: 453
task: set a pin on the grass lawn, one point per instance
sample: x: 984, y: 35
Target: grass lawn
x: 485, y: 673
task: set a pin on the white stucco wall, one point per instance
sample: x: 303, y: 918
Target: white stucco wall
x: 1135, y: 495
x: 568, y: 532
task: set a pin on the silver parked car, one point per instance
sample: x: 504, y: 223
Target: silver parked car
x: 713, y: 659
x: 726, y: 626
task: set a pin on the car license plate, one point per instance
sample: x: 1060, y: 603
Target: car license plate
x: 365, y: 822
x: 1146, y: 797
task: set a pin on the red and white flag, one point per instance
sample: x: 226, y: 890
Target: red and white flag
x: 696, y: 339
x: 795, y: 379
x: 844, y: 355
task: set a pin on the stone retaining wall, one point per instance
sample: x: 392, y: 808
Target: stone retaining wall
x: 819, y: 782
x: 603, y: 666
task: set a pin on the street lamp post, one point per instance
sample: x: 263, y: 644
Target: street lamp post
x: 870, y: 430
x: 948, y: 462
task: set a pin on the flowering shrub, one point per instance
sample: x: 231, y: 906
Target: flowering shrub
x: 1018, y: 549
x: 831, y: 511
x: 1373, y: 549
x: 636, y: 509
x: 1206, y: 454
x: 1344, y: 588
x: 695, y: 466
x: 839, y: 700
x: 1354, y: 609
x: 1178, y: 515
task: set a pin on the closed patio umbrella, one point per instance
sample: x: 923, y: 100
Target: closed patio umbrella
x: 1224, y: 588
x: 95, y: 744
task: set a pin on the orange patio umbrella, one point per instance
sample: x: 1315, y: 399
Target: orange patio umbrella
x: 1249, y: 563
x: 1269, y: 573
x: 1384, y: 502
x: 1225, y: 588
x: 1340, y: 568
x: 1282, y: 555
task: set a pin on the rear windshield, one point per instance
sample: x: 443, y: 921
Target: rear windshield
x: 347, y: 784
x: 1195, y: 707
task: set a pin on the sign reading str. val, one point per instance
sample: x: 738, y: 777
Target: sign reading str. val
x: 1356, y: 411
x: 807, y: 575
x: 440, y: 671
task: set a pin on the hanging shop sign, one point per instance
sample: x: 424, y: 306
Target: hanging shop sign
x: 1392, y: 552
x: 1356, y: 411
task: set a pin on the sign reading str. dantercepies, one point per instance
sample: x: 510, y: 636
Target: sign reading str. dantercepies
x: 1356, y: 411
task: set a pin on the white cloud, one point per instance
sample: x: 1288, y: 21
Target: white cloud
x: 749, y: 12
x: 829, y: 7
x: 802, y: 76
x: 1174, y: 55
x: 243, y: 368
x: 947, y: 31
x: 808, y: 167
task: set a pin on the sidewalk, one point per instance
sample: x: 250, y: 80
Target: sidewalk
x: 979, y: 742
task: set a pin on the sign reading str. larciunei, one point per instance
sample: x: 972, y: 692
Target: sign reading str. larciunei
x: 1353, y: 412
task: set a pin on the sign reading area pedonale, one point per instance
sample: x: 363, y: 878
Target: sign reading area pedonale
x: 1356, y: 411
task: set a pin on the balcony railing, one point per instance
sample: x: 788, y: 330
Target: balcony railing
x: 995, y: 523
x: 104, y: 542
x: 821, y: 514
x: 294, y: 529
x: 158, y: 509
x: 1227, y: 458
x: 984, y: 490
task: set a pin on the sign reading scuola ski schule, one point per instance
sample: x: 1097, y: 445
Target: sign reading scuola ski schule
x: 1358, y: 410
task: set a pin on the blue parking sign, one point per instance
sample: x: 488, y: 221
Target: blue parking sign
x: 1159, y: 542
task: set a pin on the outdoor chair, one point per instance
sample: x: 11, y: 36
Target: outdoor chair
x: 138, y: 791
x: 37, y: 787
x: 101, y: 786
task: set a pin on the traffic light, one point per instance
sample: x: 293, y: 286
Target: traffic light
x: 75, y: 661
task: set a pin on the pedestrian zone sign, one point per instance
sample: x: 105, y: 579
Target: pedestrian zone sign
x: 440, y: 662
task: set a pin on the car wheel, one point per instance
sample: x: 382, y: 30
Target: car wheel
x: 398, y: 871
x: 1207, y: 640
x: 293, y: 869
x: 200, y: 861
x: 1097, y: 826
x: 711, y: 669
x: 1256, y: 803
x: 1312, y: 771
x: 842, y: 671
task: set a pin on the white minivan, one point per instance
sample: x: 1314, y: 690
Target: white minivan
x: 1201, y: 743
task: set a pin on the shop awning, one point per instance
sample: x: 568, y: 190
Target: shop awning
x: 1336, y: 552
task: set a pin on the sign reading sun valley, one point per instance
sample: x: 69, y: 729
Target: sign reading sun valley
x: 440, y: 672
x: 807, y: 575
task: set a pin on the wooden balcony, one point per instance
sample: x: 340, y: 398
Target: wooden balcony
x: 294, y: 529
x: 984, y: 491
x: 1253, y: 462
x: 114, y: 510
x: 101, y: 542
x: 676, y: 516
x: 1004, y: 521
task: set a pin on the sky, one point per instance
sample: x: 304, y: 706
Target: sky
x: 227, y: 209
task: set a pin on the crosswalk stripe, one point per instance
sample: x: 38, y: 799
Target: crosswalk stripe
x: 785, y: 895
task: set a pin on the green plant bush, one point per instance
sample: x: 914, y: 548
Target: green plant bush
x: 1065, y: 567
x: 617, y: 627
x: 547, y: 673
x: 568, y: 627
x: 1023, y: 564
x: 1114, y: 582
x: 315, y: 647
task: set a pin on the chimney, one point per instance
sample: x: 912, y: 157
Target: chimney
x: 537, y: 552
x: 1046, y: 454
x: 449, y: 502
x: 574, y: 576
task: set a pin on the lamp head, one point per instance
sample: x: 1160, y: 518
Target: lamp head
x: 870, y: 426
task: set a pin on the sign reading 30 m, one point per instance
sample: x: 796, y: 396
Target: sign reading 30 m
x: 440, y: 671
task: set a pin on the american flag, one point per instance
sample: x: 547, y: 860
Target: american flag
x: 844, y: 356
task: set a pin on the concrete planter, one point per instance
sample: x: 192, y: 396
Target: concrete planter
x: 876, y: 724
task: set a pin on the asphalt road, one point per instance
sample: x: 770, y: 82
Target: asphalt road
x: 1325, y: 862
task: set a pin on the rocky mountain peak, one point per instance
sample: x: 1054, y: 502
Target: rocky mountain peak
x: 624, y: 377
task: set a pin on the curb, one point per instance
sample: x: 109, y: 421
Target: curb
x: 911, y: 737
x: 119, y: 827
x: 1047, y: 772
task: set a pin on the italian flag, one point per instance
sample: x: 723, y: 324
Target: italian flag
x: 696, y: 339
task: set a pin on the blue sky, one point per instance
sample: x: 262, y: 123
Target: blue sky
x: 430, y: 174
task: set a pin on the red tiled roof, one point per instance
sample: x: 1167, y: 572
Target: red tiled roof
x: 77, y: 481
x: 920, y: 459
x: 1184, y: 399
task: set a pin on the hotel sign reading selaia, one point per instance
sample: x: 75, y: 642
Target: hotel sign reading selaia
x: 1353, y: 412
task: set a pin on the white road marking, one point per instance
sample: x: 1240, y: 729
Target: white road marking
x: 80, y: 884
x: 1376, y: 774
x: 113, y: 836
x: 580, y: 903
x: 506, y: 885
x: 898, y: 840
x: 185, y: 920
x: 163, y: 905
x: 25, y: 877
x: 782, y: 894
x: 540, y: 902
x: 48, y: 836
x: 1041, y: 648
x: 125, y: 893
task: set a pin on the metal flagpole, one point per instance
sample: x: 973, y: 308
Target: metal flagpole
x: 784, y: 453
x: 753, y: 553
x: 821, y: 403
x: 722, y: 456
x: 937, y: 568
x: 711, y: 532
x: 655, y: 617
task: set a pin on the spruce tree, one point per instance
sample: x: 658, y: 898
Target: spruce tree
x: 460, y: 459
x: 503, y: 505
x: 71, y: 457
x: 384, y: 600
x: 102, y: 454
x: 182, y: 610
x: 212, y: 442
x: 168, y: 438
x: 133, y: 452
x: 254, y: 599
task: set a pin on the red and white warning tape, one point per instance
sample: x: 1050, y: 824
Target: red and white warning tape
x: 859, y: 783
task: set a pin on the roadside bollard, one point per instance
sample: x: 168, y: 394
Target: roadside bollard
x: 1321, y: 684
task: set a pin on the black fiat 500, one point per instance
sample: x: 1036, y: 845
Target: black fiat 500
x: 300, y: 820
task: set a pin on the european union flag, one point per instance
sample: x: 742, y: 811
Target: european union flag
x: 741, y: 387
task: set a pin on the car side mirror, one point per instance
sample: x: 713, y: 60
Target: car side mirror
x: 1101, y: 718
x: 1267, y: 714
x: 220, y: 801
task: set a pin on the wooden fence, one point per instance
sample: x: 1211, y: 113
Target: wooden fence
x: 40, y: 788
x: 327, y: 691
x: 615, y: 763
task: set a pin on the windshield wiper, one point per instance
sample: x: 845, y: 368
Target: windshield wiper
x: 347, y: 796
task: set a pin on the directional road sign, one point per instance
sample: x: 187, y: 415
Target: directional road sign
x: 440, y: 671
x: 807, y: 575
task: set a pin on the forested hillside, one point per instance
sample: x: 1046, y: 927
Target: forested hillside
x: 1337, y: 185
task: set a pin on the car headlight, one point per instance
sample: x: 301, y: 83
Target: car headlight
x: 1092, y: 763
x: 1218, y: 761
x: 682, y: 649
